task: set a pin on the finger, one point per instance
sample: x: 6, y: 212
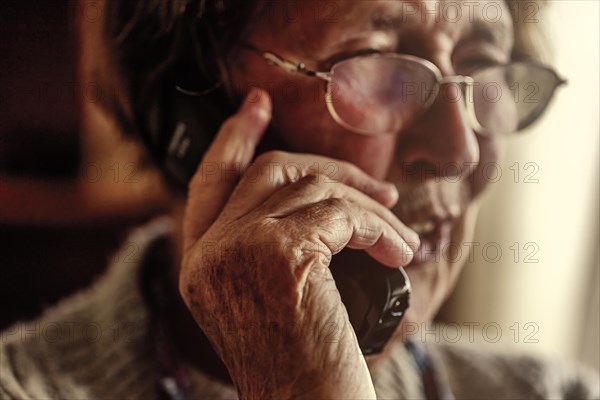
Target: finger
x: 275, y: 170
x: 312, y: 189
x: 351, y: 175
x: 340, y: 223
x: 224, y: 162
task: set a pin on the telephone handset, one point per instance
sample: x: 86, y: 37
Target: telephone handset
x: 181, y: 128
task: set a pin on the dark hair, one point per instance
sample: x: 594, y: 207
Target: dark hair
x: 146, y: 39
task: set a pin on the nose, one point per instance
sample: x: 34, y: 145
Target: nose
x: 441, y: 141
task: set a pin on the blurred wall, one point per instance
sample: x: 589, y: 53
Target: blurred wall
x: 542, y: 290
x: 67, y: 194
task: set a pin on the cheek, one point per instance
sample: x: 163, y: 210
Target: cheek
x: 302, y: 121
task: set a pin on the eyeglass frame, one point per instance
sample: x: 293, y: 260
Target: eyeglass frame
x: 467, y: 81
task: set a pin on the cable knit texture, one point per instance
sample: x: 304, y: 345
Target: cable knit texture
x: 97, y: 345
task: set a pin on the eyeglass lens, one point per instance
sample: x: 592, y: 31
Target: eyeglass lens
x: 384, y: 94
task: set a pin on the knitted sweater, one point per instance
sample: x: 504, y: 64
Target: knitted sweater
x: 97, y: 344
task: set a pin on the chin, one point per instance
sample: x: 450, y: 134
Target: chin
x: 434, y: 271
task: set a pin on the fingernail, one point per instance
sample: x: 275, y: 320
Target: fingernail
x: 258, y: 103
x: 252, y: 97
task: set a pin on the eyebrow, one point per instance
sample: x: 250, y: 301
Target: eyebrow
x: 381, y: 22
x: 384, y: 19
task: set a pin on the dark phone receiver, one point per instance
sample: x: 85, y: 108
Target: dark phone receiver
x: 182, y: 127
x: 376, y: 298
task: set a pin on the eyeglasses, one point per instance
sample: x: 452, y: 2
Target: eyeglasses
x: 381, y: 93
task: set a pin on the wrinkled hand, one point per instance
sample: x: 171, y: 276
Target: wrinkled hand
x: 257, y: 246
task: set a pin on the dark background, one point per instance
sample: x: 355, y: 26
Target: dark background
x: 51, y: 241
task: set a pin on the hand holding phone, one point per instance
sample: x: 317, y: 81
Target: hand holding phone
x: 375, y: 297
x: 255, y: 271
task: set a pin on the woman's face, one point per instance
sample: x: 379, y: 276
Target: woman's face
x: 438, y: 162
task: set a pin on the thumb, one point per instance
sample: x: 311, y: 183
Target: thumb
x: 223, y: 164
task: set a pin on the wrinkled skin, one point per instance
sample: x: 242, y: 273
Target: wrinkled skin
x: 257, y: 245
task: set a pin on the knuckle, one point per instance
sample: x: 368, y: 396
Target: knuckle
x: 306, y: 185
x: 270, y: 165
x: 367, y: 226
x: 270, y: 157
x: 311, y: 179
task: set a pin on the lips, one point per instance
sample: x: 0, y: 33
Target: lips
x: 430, y: 210
x: 423, y: 228
x: 434, y: 236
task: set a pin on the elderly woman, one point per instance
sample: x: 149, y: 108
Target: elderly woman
x: 298, y: 136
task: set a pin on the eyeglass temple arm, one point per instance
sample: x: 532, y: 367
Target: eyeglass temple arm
x: 284, y: 64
